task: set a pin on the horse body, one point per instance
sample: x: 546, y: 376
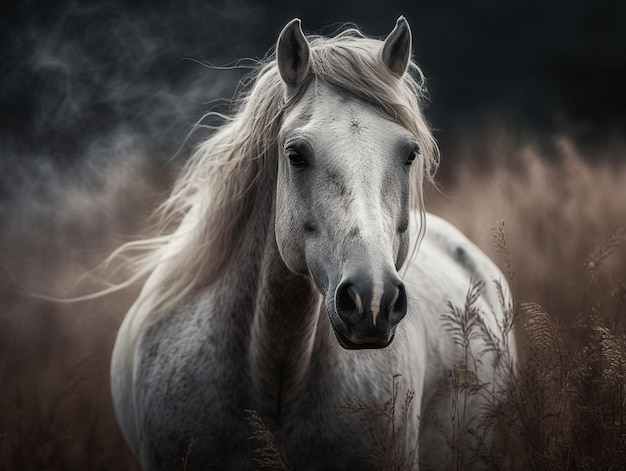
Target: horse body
x: 194, y: 382
x: 309, y: 322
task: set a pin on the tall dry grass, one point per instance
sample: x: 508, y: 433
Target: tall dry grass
x: 556, y: 211
x: 561, y: 241
x: 55, y: 406
x: 564, y: 409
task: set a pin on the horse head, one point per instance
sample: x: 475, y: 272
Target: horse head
x: 343, y: 190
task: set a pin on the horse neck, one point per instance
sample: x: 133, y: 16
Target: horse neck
x: 284, y: 324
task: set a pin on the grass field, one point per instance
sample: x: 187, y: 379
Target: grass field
x: 561, y: 217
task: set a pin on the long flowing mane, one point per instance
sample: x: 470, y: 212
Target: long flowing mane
x: 214, y: 198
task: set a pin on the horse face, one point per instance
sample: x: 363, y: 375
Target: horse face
x: 342, y: 210
x: 342, y: 204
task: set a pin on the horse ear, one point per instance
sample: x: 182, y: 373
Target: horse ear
x: 396, y: 51
x: 292, y: 54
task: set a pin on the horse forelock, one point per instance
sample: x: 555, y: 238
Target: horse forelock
x: 228, y: 172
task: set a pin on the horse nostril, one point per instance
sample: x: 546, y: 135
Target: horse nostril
x: 346, y: 299
x: 399, y: 306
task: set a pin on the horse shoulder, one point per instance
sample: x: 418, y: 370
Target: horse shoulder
x: 147, y: 358
x: 470, y: 263
x: 439, y: 277
x: 124, y: 360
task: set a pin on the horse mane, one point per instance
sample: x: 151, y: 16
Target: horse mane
x: 212, y: 200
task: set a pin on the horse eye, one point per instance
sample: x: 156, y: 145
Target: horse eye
x: 413, y: 155
x: 295, y: 158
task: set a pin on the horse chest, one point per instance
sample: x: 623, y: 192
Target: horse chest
x: 357, y: 434
x: 197, y: 397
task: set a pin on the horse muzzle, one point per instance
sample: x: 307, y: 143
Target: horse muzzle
x: 364, y: 311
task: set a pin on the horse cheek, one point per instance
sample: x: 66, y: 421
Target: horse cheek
x: 290, y: 241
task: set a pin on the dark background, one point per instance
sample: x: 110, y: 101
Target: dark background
x: 97, y: 99
x: 98, y: 81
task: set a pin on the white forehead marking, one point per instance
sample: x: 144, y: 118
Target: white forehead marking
x: 340, y: 120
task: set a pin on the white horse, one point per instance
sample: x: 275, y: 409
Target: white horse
x: 292, y: 285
